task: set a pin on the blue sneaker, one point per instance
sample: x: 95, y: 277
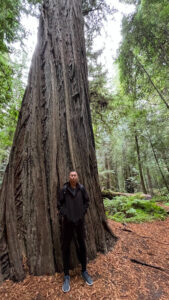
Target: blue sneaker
x: 66, y: 284
x: 87, y: 278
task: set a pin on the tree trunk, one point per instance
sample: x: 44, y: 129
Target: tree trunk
x: 140, y: 165
x: 111, y: 194
x: 165, y: 159
x: 108, y: 169
x: 158, y: 165
x: 53, y: 136
x: 153, y: 84
x: 149, y: 182
x: 115, y: 177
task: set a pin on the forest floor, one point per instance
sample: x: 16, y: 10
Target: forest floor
x: 136, y: 269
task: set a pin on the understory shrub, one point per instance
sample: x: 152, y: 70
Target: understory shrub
x: 133, y: 209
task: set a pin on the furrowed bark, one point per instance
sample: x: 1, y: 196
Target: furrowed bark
x: 53, y: 136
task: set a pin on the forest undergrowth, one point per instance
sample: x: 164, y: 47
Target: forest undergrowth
x: 135, y: 208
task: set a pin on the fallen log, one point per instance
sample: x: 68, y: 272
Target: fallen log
x: 111, y: 194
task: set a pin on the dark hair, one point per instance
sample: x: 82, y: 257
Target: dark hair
x: 73, y: 171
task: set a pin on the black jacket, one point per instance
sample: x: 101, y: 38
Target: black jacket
x: 73, y: 204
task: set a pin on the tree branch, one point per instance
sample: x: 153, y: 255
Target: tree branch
x: 88, y: 10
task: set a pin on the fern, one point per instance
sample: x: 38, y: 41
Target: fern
x: 133, y: 209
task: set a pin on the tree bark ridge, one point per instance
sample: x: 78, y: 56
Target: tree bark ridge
x: 53, y: 136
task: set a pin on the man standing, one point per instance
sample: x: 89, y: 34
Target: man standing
x: 72, y: 206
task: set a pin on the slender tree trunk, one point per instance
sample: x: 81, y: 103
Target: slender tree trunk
x: 157, y: 162
x: 164, y: 155
x: 116, y: 179
x: 151, y: 81
x: 110, y: 168
x: 165, y: 159
x: 156, y: 181
x: 107, y: 167
x: 149, y: 181
x: 140, y: 165
x: 53, y: 136
x: 125, y: 166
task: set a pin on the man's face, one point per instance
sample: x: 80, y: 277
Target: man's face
x: 73, y: 177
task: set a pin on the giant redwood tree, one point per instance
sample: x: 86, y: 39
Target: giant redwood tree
x: 53, y: 136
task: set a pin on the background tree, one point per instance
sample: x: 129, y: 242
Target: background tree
x: 143, y: 74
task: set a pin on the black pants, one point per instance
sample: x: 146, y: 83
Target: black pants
x: 77, y: 230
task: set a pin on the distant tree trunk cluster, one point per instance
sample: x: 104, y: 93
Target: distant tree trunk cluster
x: 131, y: 171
